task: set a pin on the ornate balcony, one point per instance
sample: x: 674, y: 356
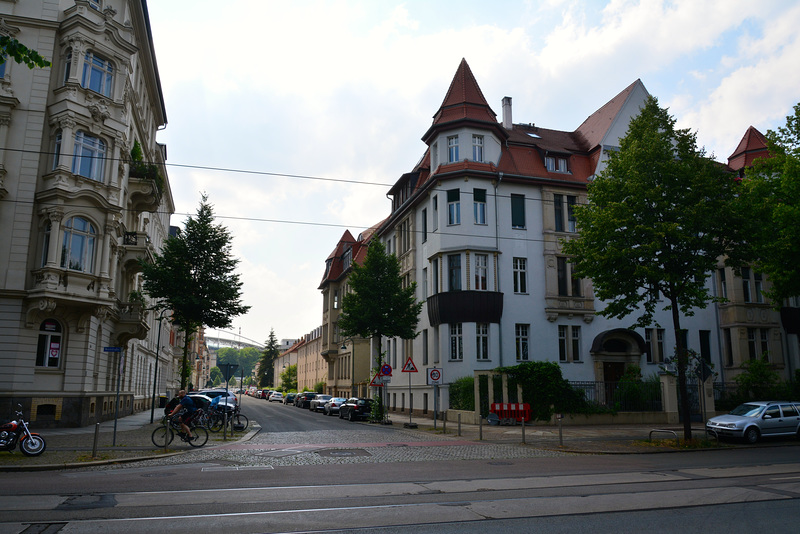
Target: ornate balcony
x: 132, y: 322
x: 145, y: 187
x: 465, y: 307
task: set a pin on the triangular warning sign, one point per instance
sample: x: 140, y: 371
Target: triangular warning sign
x: 409, y: 366
x: 375, y: 383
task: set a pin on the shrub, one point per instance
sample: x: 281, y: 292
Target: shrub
x: 462, y: 394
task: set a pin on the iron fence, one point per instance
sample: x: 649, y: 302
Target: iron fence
x: 623, y: 396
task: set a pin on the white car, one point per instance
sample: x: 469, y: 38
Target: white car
x: 276, y: 396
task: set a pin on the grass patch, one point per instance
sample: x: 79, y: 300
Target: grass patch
x: 681, y: 444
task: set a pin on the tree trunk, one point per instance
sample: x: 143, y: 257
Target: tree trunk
x: 683, y: 360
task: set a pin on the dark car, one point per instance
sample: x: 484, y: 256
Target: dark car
x: 318, y: 402
x: 332, y: 406
x: 289, y: 398
x: 303, y: 400
x: 355, y: 408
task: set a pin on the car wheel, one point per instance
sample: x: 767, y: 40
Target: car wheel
x: 351, y: 415
x: 341, y: 414
x: 751, y: 435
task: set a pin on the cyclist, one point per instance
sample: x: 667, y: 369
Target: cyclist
x: 187, y: 405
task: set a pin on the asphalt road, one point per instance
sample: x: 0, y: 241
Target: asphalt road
x: 736, y: 490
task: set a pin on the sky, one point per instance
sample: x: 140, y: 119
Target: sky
x: 296, y: 117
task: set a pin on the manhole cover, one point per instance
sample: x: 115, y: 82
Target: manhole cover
x: 343, y: 453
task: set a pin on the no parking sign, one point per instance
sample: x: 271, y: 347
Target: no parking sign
x: 434, y: 376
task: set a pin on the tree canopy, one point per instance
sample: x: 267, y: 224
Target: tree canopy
x: 10, y: 47
x: 772, y: 202
x: 194, y: 276
x: 378, y: 304
x: 657, y: 222
x: 266, y: 372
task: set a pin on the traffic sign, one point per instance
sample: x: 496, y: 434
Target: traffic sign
x: 409, y: 366
x: 228, y: 369
x: 112, y: 349
x: 386, y: 370
x: 434, y: 376
x: 377, y: 381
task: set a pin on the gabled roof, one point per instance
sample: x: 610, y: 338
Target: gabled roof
x: 594, y: 129
x: 335, y: 267
x: 752, y: 146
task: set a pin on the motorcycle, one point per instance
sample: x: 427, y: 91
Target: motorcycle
x: 30, y: 443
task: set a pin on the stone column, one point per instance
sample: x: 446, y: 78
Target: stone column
x: 669, y: 394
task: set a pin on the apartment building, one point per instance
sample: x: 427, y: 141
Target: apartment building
x: 78, y: 212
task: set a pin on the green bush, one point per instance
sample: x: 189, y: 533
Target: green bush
x: 462, y: 394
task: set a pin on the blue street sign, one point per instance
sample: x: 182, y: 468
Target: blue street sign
x: 112, y: 349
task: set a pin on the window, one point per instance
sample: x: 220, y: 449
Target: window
x: 452, y: 149
x: 723, y: 285
x: 758, y: 286
x: 335, y: 299
x: 520, y: 275
x: 454, y: 272
x: 425, y: 347
x: 95, y: 4
x: 568, y: 285
x: 479, y: 205
x: 48, y: 350
x: 727, y: 339
x: 556, y: 164
x: 569, y: 343
x: 746, y: 284
x: 481, y: 266
x: 477, y: 148
x: 67, y: 65
x: 3, y: 66
x: 97, y: 74
x: 425, y: 282
x: 654, y: 339
x: 424, y: 224
x: 564, y: 205
x: 77, y: 251
x: 705, y: 345
x: 517, y: 211
x: 435, y: 220
x: 435, y: 280
x: 456, y: 342
x: 453, y: 206
x: 46, y: 242
x: 482, y: 341
x: 521, y: 334
x: 89, y: 156
x: 57, y: 149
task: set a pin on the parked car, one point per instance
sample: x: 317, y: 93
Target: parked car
x: 303, y: 400
x: 355, y: 408
x: 264, y: 394
x: 276, y: 396
x: 332, y: 406
x: 754, y: 420
x: 318, y: 402
x: 227, y: 397
x: 289, y: 398
x: 200, y: 400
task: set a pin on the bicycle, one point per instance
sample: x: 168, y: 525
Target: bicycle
x: 163, y: 435
x: 236, y: 420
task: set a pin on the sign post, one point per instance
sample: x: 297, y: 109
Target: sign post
x: 409, y: 368
x: 228, y: 369
x: 435, y: 378
x: 119, y: 379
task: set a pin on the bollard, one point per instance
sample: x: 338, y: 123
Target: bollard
x: 444, y: 423
x: 523, y: 431
x: 459, y: 425
x: 96, y: 438
x: 560, y: 434
x: 480, y: 428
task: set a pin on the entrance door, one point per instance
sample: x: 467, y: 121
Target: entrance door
x: 613, y: 371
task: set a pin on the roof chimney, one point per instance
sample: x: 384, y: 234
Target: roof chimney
x: 507, y: 124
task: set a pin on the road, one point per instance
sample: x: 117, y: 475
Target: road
x: 709, y: 491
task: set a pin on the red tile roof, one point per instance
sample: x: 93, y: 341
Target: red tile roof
x: 595, y: 127
x: 464, y: 99
x: 752, y: 146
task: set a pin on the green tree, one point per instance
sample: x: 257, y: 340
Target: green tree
x: 378, y: 304
x: 265, y: 369
x: 658, y: 220
x: 194, y: 277
x: 245, y: 358
x: 772, y: 202
x: 10, y: 47
x: 289, y: 378
x: 216, y: 376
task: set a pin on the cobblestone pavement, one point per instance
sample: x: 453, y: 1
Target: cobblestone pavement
x: 360, y: 443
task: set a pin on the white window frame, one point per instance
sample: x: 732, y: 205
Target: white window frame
x: 520, y: 268
x: 454, y: 208
x: 456, y: 342
x: 479, y: 207
x: 452, y: 149
x: 98, y: 74
x: 481, y: 272
x: 521, y: 340
x: 477, y: 148
x: 50, y: 345
x: 89, y: 156
x: 78, y: 245
x: 482, y: 341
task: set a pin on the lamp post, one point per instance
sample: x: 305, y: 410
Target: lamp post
x: 155, y: 367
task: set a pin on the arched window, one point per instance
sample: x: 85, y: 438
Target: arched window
x: 48, y: 351
x: 90, y: 153
x: 98, y: 74
x: 77, y: 249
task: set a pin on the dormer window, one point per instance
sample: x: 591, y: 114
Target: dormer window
x: 452, y: 149
x: 556, y: 164
x: 477, y: 148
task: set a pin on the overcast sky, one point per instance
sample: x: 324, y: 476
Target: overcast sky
x: 309, y: 97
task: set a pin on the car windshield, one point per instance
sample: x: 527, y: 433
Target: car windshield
x: 748, y: 410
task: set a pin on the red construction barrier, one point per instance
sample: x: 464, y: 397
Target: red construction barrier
x: 515, y: 411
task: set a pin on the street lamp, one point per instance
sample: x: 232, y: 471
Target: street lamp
x: 155, y: 367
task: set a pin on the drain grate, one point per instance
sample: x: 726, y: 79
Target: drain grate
x: 342, y: 453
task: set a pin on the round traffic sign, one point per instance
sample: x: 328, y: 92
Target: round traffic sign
x: 386, y: 370
x: 435, y: 374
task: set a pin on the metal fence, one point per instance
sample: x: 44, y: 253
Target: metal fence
x: 623, y: 396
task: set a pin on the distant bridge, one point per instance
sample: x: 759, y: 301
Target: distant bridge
x: 218, y: 342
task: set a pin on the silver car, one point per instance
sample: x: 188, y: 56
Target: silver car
x: 752, y: 420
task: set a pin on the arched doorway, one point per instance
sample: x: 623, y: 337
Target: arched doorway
x: 614, y: 350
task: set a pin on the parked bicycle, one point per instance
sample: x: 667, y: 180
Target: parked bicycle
x: 236, y: 420
x: 163, y: 435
